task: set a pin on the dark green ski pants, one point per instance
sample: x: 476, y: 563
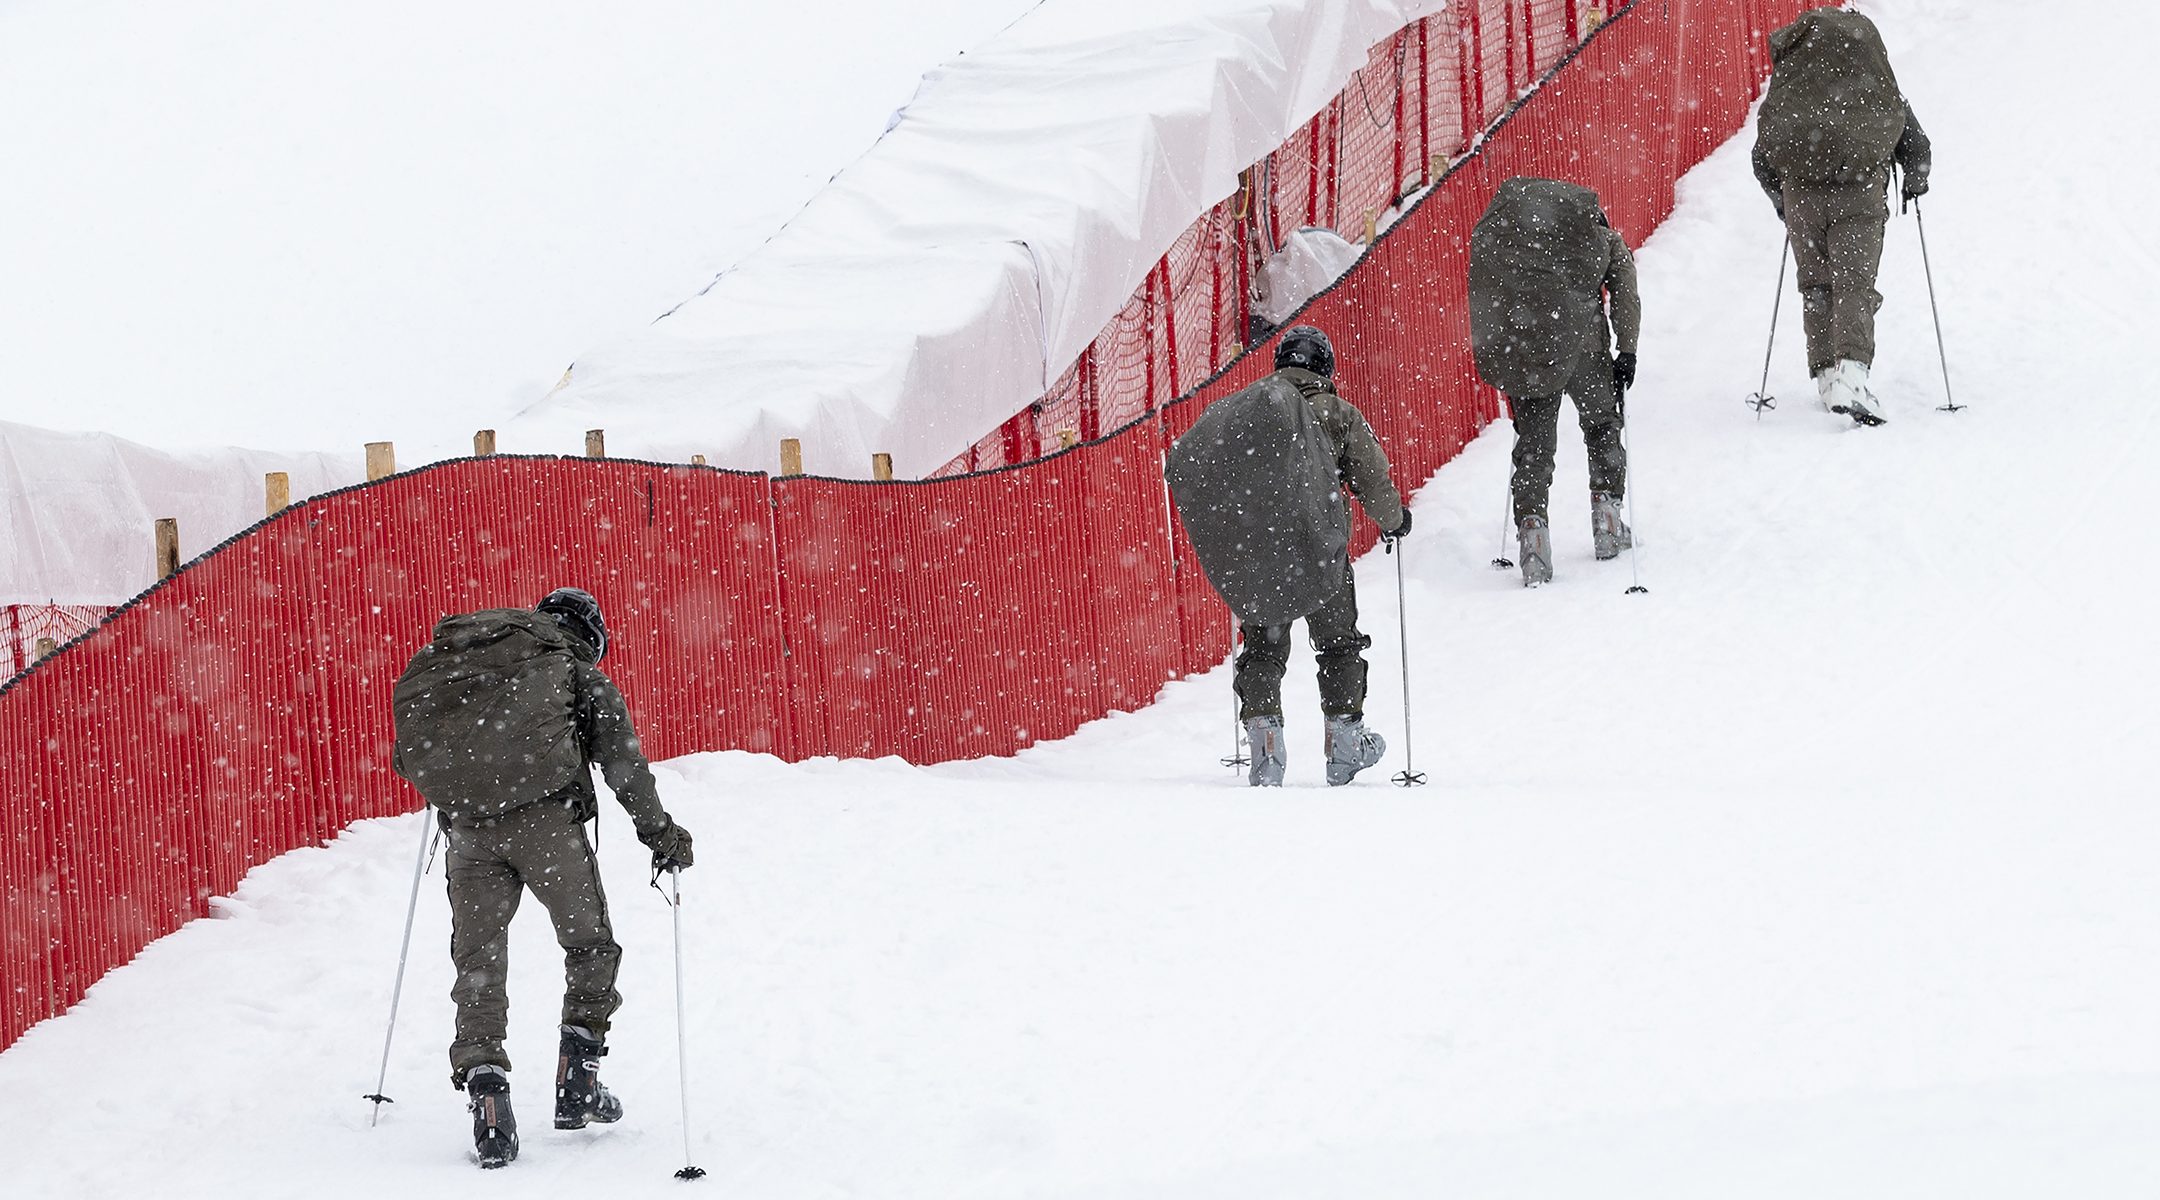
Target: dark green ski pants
x: 1837, y: 238
x: 1537, y: 437
x: 1339, y: 645
x: 491, y: 864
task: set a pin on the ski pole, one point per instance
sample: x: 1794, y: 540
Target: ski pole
x: 1501, y: 561
x: 682, y: 1051
x: 1237, y: 725
x: 1950, y: 404
x: 428, y: 832
x: 1762, y: 398
x: 1409, y: 776
x: 1634, y: 531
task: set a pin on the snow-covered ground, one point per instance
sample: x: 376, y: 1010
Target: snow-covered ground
x: 1822, y: 869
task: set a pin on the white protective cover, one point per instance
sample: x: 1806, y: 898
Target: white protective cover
x: 1310, y: 260
x: 77, y: 510
x: 945, y: 280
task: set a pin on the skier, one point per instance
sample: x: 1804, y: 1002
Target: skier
x: 1259, y: 483
x: 499, y: 720
x: 1831, y: 127
x: 1543, y: 261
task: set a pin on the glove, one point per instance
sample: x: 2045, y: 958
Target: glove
x: 1623, y: 371
x: 1913, y: 187
x: 1398, y: 533
x: 670, y: 848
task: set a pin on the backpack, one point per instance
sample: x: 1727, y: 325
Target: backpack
x: 1537, y: 280
x: 1833, y: 113
x: 486, y: 714
x: 1257, y: 488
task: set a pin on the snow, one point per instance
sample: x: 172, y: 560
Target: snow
x: 1822, y: 869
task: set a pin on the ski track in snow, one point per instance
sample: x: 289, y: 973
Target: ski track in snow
x: 1823, y: 869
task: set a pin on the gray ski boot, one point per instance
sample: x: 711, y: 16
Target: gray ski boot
x: 1609, y: 535
x: 494, y: 1126
x: 1264, y: 738
x: 1534, y: 547
x: 1351, y: 747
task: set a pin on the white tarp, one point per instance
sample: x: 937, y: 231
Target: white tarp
x: 943, y: 282
x: 78, y: 510
x: 1310, y: 260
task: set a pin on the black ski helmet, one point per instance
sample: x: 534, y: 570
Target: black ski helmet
x: 1307, y: 347
x: 576, y: 610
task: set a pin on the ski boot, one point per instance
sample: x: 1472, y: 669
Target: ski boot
x: 1849, y: 393
x: 494, y: 1126
x: 1824, y: 380
x: 579, y: 1095
x: 1351, y: 748
x: 1534, y: 547
x: 1608, y: 533
x: 1264, y: 736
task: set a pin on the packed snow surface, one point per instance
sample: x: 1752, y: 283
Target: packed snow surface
x: 1823, y: 869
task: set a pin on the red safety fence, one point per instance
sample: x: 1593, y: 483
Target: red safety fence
x: 1420, y: 103
x: 240, y: 708
x: 28, y: 630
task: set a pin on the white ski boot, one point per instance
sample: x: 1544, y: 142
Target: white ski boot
x: 1609, y: 535
x: 1351, y: 748
x: 1533, y: 543
x: 1849, y: 393
x: 1824, y: 380
x: 1270, y: 758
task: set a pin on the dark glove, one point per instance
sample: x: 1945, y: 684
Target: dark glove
x: 670, y: 848
x: 1623, y: 371
x: 1914, y: 187
x: 1398, y: 533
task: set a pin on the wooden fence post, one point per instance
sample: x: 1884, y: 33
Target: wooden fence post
x: 168, y: 546
x: 277, y: 493
x: 791, y: 456
x: 483, y: 443
x: 596, y: 443
x: 381, y: 460
x: 881, y: 467
x: 45, y: 647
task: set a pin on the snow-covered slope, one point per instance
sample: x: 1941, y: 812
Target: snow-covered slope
x: 1822, y: 869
